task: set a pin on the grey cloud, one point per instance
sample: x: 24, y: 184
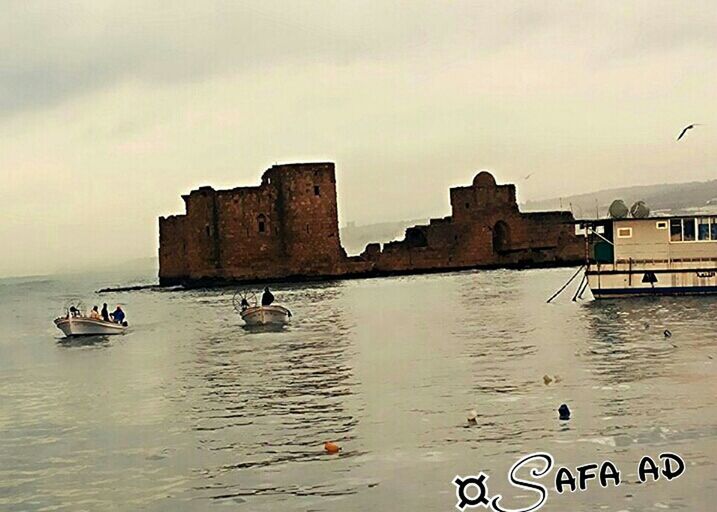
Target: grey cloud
x: 54, y: 51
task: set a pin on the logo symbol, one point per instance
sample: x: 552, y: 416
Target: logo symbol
x: 480, y: 498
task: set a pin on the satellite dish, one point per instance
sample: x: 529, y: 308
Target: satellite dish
x: 640, y: 210
x: 617, y: 209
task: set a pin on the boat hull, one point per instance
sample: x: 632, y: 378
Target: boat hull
x: 614, y: 282
x: 266, y: 315
x: 88, y: 327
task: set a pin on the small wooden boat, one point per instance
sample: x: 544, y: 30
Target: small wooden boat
x: 84, y: 326
x: 253, y: 314
x: 265, y: 315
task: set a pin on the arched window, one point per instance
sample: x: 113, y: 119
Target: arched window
x: 261, y: 222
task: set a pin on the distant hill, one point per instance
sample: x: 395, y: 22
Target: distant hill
x: 673, y: 198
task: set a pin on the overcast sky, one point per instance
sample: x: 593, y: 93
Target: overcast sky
x: 110, y: 110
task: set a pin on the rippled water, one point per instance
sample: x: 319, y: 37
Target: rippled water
x: 189, y: 411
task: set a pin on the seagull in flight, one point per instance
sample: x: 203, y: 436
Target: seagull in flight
x: 684, y: 130
x: 529, y: 175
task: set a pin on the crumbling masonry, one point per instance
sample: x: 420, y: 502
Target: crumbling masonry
x: 287, y: 228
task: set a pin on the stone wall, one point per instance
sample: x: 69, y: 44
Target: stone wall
x: 485, y: 229
x: 287, y: 228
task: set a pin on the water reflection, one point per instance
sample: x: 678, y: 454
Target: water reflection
x: 192, y: 411
x: 97, y: 341
x: 267, y: 398
x: 628, y: 342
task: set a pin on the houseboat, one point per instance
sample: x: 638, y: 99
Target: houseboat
x: 651, y: 256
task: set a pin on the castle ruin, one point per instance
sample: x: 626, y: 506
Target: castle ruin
x: 287, y: 228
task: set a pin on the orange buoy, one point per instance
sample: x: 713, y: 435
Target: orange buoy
x: 331, y: 447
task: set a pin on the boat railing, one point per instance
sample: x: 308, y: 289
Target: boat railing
x: 651, y: 263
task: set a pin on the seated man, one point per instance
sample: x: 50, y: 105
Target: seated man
x: 267, y: 297
x: 118, y: 315
x: 95, y: 314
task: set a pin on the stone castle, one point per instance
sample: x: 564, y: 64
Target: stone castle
x: 287, y: 228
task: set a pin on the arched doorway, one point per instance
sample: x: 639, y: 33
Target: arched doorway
x: 501, y: 237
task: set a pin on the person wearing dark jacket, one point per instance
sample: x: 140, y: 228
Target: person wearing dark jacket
x: 105, y: 314
x: 267, y: 298
x: 118, y: 315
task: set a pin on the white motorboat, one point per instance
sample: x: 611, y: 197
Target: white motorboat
x: 265, y: 315
x: 84, y: 326
x: 253, y: 314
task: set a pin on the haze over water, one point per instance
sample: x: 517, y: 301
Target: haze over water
x: 189, y: 411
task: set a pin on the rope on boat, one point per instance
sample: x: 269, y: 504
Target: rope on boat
x: 579, y: 288
x: 599, y: 235
x: 585, y: 287
x: 566, y: 284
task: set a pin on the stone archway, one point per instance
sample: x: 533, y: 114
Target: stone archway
x: 501, y: 237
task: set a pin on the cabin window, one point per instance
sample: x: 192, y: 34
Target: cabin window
x: 624, y: 232
x: 688, y: 230
x: 700, y: 229
x: 675, y: 230
x: 703, y: 228
x: 317, y: 191
x: 661, y: 224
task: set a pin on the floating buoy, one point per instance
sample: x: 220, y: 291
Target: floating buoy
x: 667, y: 333
x: 472, y: 417
x: 546, y: 379
x: 331, y: 447
x: 564, y: 412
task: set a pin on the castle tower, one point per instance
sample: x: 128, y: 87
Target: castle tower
x: 307, y: 212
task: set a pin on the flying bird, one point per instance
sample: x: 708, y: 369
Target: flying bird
x: 529, y: 175
x: 684, y: 130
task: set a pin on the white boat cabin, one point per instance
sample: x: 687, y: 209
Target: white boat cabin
x: 653, y: 255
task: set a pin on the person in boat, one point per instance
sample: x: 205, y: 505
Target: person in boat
x: 74, y: 312
x: 267, y: 297
x: 105, y: 314
x: 95, y: 314
x: 244, y: 304
x: 118, y: 315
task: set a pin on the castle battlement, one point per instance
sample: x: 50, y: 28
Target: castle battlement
x: 287, y: 227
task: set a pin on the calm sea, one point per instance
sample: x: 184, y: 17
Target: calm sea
x: 189, y: 411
